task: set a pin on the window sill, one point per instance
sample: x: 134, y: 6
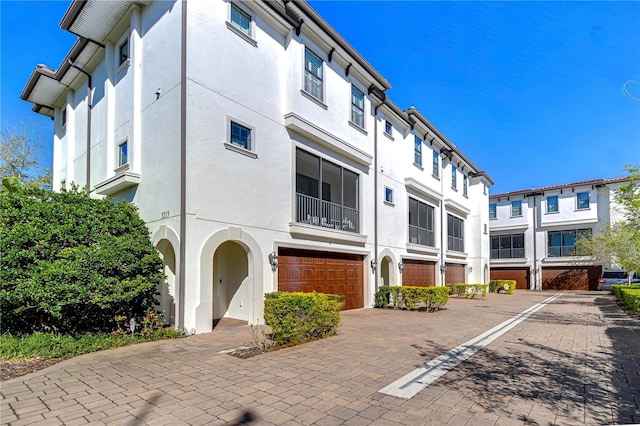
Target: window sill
x: 241, y: 34
x: 121, y: 169
x: 551, y: 212
x: 123, y: 66
x: 358, y: 128
x: 240, y: 150
x: 453, y: 188
x: 388, y: 135
x: 436, y: 177
x: 515, y: 216
x: 388, y: 203
x: 584, y: 209
x: 314, y: 99
x: 419, y: 248
x: 418, y: 166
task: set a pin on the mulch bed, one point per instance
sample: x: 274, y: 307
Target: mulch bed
x: 10, y: 370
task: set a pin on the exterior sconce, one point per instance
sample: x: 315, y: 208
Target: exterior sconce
x: 400, y: 266
x: 470, y: 269
x: 374, y: 264
x: 273, y: 260
x: 443, y: 268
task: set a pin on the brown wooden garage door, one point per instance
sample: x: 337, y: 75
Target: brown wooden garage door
x: 454, y: 274
x: 520, y: 275
x: 324, y: 272
x: 418, y: 273
x: 571, y: 278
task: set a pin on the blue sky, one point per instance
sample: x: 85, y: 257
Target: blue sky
x: 531, y: 92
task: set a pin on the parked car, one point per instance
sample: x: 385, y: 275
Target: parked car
x: 611, y: 277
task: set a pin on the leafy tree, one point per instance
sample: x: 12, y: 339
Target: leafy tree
x: 620, y: 242
x: 19, y: 157
x: 71, y: 263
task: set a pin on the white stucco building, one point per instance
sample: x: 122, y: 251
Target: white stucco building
x: 262, y: 152
x: 534, y: 231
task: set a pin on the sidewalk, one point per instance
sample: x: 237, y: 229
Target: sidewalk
x: 576, y: 361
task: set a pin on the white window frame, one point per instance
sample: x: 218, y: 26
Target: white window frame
x: 436, y: 164
x: 124, y: 59
x: 388, y: 128
x: 454, y: 178
x: 465, y: 186
x: 242, y: 14
x: 250, y: 151
x: 236, y: 27
x: 307, y: 74
x: 493, y: 207
x: 120, y: 164
x: 512, y: 205
x: 417, y: 151
x: 388, y: 196
x: 355, y: 108
x: 587, y: 200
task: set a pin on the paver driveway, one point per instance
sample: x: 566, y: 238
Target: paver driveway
x: 576, y: 361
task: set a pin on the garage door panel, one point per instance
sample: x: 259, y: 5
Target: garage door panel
x: 519, y: 275
x: 571, y: 278
x: 418, y: 273
x: 324, y: 272
x: 454, y: 274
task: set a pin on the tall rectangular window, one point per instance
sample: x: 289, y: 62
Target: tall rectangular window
x: 454, y: 177
x: 357, y: 106
x: 123, y: 157
x: 326, y: 194
x: 421, y: 223
x: 492, y: 211
x: 417, y: 151
x: 240, y: 136
x: 583, y: 200
x: 63, y: 117
x: 123, y: 52
x: 436, y: 164
x: 552, y: 204
x: 516, y: 208
x: 465, y: 184
x: 455, y: 233
x: 241, y: 19
x: 388, y: 128
x: 313, y: 74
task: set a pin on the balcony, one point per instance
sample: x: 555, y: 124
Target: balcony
x: 325, y: 214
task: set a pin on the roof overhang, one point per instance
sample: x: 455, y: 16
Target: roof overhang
x: 45, y: 86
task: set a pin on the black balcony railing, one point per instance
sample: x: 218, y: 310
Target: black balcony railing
x: 326, y: 214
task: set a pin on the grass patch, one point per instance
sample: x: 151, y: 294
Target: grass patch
x: 51, y: 345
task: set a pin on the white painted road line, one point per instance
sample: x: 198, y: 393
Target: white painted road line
x: 409, y: 385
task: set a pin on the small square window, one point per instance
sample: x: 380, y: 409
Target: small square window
x: 436, y: 163
x: 516, y: 208
x: 240, y: 136
x: 552, y: 204
x: 388, y: 128
x: 388, y: 195
x: 123, y: 156
x: 583, y: 200
x: 123, y: 52
x: 241, y: 19
x: 357, y: 106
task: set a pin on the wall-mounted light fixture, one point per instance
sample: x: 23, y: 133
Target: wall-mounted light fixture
x: 374, y: 264
x: 443, y: 268
x: 470, y: 268
x: 400, y: 266
x: 273, y: 260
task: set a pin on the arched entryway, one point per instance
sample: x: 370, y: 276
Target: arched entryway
x: 231, y: 292
x: 385, y: 268
x: 167, y: 285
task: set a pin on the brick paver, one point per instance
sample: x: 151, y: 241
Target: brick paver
x: 576, y: 361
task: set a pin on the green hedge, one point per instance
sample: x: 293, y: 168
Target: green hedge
x: 298, y: 317
x: 412, y: 298
x: 492, y: 286
x: 628, y: 295
x: 508, y: 286
x: 471, y: 290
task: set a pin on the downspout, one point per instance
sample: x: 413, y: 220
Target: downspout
x: 375, y: 192
x: 183, y: 161
x: 89, y: 100
x: 535, y: 251
x: 443, y: 265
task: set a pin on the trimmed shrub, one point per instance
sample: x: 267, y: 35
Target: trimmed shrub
x: 382, y: 297
x: 299, y: 317
x: 71, y: 263
x: 450, y: 287
x: 492, y: 286
x: 508, y: 286
x: 628, y: 295
x: 413, y: 298
x: 472, y: 290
